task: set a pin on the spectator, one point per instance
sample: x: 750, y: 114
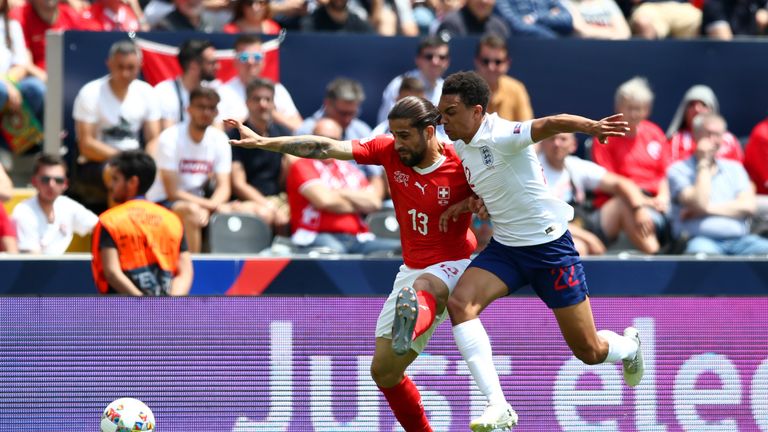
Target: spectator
x: 289, y: 13
x: 571, y: 179
x: 249, y: 63
x: 475, y: 18
x: 118, y: 15
x: 642, y: 155
x: 725, y: 19
x: 8, y: 242
x: 46, y: 222
x: 755, y: 157
x: 343, y: 97
x: 432, y: 60
x: 197, y: 58
x: 252, y: 16
x: 409, y: 86
x: 258, y: 176
x: 17, y: 84
x: 395, y: 17
x: 186, y: 15
x: 509, y: 98
x: 598, y: 19
x: 191, y: 156
x: 327, y: 198
x: 537, y: 18
x: 697, y: 100
x: 713, y: 199
x: 335, y: 16
x: 138, y: 247
x: 36, y: 17
x: 110, y: 113
x: 660, y: 19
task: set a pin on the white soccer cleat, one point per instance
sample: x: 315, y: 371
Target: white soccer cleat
x: 633, y: 368
x: 495, y: 417
x: 406, y: 313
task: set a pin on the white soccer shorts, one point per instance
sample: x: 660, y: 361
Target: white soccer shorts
x: 448, y: 271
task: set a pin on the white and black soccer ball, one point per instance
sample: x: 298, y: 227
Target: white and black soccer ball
x: 127, y: 415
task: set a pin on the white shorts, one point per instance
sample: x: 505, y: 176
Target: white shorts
x: 448, y: 271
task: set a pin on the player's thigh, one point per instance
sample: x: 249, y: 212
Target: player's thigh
x: 561, y: 282
x: 577, y: 325
x: 476, y: 289
x: 441, y: 279
x: 387, y: 368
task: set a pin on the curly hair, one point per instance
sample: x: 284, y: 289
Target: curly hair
x: 470, y: 87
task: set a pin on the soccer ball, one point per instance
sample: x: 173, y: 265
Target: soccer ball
x: 127, y: 415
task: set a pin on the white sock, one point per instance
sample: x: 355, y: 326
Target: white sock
x: 475, y: 347
x: 619, y: 347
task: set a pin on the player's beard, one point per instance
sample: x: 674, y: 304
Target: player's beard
x: 414, y: 158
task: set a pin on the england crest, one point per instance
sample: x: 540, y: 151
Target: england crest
x: 487, y: 156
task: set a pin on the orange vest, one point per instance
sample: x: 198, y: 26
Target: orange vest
x: 148, y: 240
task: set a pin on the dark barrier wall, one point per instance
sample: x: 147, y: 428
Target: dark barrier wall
x: 564, y: 75
x: 297, y: 364
x: 286, y: 276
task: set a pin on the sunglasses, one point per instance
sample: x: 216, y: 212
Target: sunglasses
x: 488, y: 61
x: 244, y: 57
x: 57, y: 179
x: 431, y: 56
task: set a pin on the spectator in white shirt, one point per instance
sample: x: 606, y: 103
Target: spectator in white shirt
x: 46, y: 222
x: 191, y: 156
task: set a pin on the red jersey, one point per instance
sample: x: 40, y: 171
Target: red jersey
x: 420, y: 197
x: 643, y: 158
x: 333, y: 174
x: 34, y: 27
x: 683, y: 146
x: 268, y: 27
x: 756, y: 157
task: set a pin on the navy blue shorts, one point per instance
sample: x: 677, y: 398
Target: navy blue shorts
x: 553, y: 269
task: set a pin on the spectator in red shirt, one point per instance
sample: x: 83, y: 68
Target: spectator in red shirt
x: 756, y: 163
x: 252, y: 16
x: 642, y: 155
x: 697, y: 100
x: 38, y: 16
x: 327, y: 198
x: 118, y: 15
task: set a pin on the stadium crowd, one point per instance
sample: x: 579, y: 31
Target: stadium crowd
x: 695, y: 188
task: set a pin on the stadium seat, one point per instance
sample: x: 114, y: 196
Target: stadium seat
x: 238, y: 233
x: 384, y: 224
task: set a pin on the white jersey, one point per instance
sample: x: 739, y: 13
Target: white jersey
x: 118, y: 123
x: 37, y: 235
x: 502, y: 169
x: 193, y: 162
x: 577, y: 178
x: 233, y: 100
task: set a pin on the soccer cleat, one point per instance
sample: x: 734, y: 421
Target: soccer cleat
x: 406, y: 312
x: 633, y: 368
x: 495, y: 417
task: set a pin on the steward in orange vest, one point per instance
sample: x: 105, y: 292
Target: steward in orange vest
x: 138, y: 246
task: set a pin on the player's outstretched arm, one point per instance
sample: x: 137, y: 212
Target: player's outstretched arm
x: 306, y: 146
x: 546, y: 127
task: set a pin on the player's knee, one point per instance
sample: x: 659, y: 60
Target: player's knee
x: 384, y: 375
x: 439, y: 292
x: 459, y: 309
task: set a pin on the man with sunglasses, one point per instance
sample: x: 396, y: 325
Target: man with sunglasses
x: 46, y: 222
x: 249, y: 63
x: 509, y: 98
x: 432, y: 60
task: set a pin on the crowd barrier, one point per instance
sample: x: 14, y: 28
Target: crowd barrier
x: 233, y: 275
x: 562, y: 75
x: 300, y: 364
